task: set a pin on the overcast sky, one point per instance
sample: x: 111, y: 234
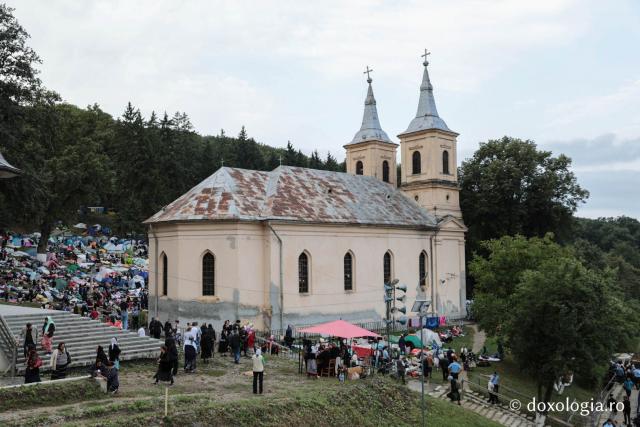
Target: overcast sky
x: 565, y: 73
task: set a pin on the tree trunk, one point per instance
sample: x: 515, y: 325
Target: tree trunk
x: 541, y: 417
x: 45, y: 231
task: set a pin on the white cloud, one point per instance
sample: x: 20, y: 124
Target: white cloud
x: 600, y: 110
x: 627, y: 165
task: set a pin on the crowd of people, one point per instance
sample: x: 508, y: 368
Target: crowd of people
x: 377, y: 356
x: 91, y: 275
x: 235, y: 339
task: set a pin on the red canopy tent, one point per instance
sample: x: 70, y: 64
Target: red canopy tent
x: 340, y: 329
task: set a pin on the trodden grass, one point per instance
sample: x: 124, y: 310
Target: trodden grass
x: 219, y: 394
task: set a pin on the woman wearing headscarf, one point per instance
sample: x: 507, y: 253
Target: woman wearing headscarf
x: 60, y: 360
x: 222, y: 345
x: 258, y: 371
x: 101, y: 361
x: 206, y: 344
x: 101, y: 356
x: 114, y: 353
x: 111, y: 374
x: 32, y: 372
x: 172, y: 354
x: 164, y: 366
x: 48, y: 329
x: 213, y: 339
x: 28, y: 336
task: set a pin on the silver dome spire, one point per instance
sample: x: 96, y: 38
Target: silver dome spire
x: 427, y: 115
x: 370, y: 129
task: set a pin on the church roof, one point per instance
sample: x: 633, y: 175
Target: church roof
x: 427, y: 115
x: 295, y: 194
x: 370, y: 129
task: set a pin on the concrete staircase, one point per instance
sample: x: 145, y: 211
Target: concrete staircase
x: 618, y: 417
x: 81, y: 336
x: 477, y: 403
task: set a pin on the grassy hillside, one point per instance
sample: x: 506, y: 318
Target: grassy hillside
x: 220, y: 395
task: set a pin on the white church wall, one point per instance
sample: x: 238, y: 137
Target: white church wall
x: 239, y: 271
x: 327, y: 246
x: 247, y: 277
x: 450, y: 274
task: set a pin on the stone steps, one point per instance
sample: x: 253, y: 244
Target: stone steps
x: 477, y: 403
x: 81, y: 336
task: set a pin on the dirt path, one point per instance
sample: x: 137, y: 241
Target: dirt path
x: 479, y: 337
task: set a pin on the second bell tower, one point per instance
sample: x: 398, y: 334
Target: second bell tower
x: 428, y: 150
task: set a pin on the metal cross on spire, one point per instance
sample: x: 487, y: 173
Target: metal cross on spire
x: 367, y: 71
x: 426, y: 53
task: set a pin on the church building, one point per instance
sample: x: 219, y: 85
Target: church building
x: 302, y: 246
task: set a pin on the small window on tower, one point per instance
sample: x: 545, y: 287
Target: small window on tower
x: 359, y: 168
x: 416, y: 163
x: 445, y: 162
x: 385, y: 171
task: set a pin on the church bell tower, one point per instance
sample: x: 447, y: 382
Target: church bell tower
x: 371, y: 152
x: 428, y: 152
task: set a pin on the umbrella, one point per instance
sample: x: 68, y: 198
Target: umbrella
x: 81, y: 226
x: 339, y: 328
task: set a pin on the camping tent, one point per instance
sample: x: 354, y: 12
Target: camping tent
x: 428, y: 337
x: 340, y: 329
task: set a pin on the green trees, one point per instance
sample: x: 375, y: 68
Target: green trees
x: 62, y: 158
x: 510, y: 187
x: 19, y: 82
x: 554, y: 314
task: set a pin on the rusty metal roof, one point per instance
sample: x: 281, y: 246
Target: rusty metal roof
x: 295, y: 194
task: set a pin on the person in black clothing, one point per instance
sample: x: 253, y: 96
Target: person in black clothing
x: 29, y: 338
x: 164, y: 367
x: 168, y: 330
x: 235, y: 343
x: 114, y: 352
x: 213, y: 339
x: 444, y: 365
x: 32, y: 372
x: 172, y: 350
x: 244, y: 337
x: 206, y: 344
x: 626, y: 410
x: 101, y: 355
x: 155, y: 328
x: 288, y: 337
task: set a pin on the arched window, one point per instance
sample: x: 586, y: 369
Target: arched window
x: 303, y: 273
x: 386, y: 267
x: 422, y: 269
x: 208, y: 274
x: 416, y: 163
x: 165, y: 275
x: 385, y: 171
x: 445, y: 162
x: 348, y: 272
x: 359, y: 168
